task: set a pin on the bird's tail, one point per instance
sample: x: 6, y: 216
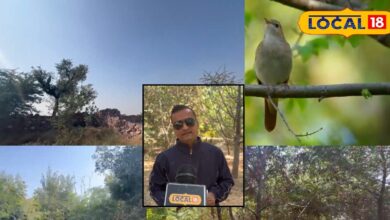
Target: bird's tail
x: 270, y: 114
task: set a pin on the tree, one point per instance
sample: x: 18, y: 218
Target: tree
x: 56, y: 196
x: 68, y: 95
x: 159, y: 101
x: 317, y: 182
x: 224, y: 111
x: 95, y: 204
x: 12, y: 195
x: 19, y: 91
x: 124, y: 167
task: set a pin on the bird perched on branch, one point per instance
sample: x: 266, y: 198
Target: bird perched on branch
x: 273, y: 65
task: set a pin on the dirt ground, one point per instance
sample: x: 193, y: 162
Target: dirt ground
x: 235, y: 198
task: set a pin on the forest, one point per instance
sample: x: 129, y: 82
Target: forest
x: 306, y: 183
x: 56, y: 198
x: 219, y: 110
x: 74, y: 118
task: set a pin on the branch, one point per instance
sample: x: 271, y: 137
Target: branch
x: 304, y: 209
x: 315, y: 5
x: 287, y: 125
x: 310, y: 5
x: 320, y: 91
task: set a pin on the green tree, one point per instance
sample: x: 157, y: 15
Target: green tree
x: 224, y: 111
x: 12, y: 195
x: 124, y: 172
x: 317, y: 182
x: 66, y: 89
x: 95, y: 204
x: 56, y: 196
x: 18, y: 93
x: 159, y: 101
x: 31, y: 210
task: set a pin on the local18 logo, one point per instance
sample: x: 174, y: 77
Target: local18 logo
x: 185, y: 199
x: 345, y: 22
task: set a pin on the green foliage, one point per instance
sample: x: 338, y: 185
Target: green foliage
x: 215, y: 107
x: 366, y: 93
x: 380, y: 5
x: 56, y: 195
x: 186, y: 213
x: 96, y: 204
x: 318, y: 182
x: 68, y: 93
x: 57, y: 199
x: 250, y: 76
x: 124, y: 167
x: 19, y: 91
x: 12, y: 194
x: 248, y: 19
x: 355, y: 40
x: 313, y: 47
x: 31, y: 209
x: 158, y: 102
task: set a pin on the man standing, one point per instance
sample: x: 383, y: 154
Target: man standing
x: 208, y: 161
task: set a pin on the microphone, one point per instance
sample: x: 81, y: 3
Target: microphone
x: 186, y: 174
x: 185, y: 191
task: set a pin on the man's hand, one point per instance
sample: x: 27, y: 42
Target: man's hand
x: 210, y: 198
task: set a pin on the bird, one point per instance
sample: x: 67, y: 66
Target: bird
x: 273, y: 64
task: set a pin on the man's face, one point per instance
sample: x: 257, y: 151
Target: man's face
x: 187, y: 133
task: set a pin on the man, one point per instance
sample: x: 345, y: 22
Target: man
x: 207, y: 160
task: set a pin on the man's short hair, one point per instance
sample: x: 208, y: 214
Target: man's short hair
x: 177, y: 108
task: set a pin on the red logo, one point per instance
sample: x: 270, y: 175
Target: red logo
x: 377, y: 22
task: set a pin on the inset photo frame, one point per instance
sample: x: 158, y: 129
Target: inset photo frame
x: 193, y: 145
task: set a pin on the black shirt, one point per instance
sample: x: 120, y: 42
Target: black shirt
x: 209, y: 162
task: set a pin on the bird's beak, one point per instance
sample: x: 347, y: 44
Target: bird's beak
x: 267, y: 21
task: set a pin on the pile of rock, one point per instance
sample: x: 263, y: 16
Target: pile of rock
x: 129, y: 126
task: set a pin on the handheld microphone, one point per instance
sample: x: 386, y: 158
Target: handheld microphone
x: 186, y: 174
x: 185, y: 192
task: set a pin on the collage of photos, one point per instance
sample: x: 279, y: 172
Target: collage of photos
x: 207, y: 109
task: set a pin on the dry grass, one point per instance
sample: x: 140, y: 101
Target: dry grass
x: 74, y: 136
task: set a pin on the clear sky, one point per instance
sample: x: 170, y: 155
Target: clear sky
x: 125, y: 43
x: 31, y: 162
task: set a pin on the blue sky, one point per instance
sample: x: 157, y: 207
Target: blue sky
x: 125, y: 43
x: 31, y: 162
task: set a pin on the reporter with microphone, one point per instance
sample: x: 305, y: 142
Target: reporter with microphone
x: 190, y: 161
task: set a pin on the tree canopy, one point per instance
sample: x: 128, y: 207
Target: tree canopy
x: 12, y: 193
x: 69, y: 94
x: 18, y: 93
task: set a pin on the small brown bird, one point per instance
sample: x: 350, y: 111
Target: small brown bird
x: 273, y: 65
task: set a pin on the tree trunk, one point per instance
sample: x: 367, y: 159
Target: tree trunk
x: 55, y: 109
x: 219, y: 213
x: 227, y: 146
x: 258, y: 205
x: 231, y: 214
x: 212, y: 212
x: 237, y: 135
x: 381, y: 201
